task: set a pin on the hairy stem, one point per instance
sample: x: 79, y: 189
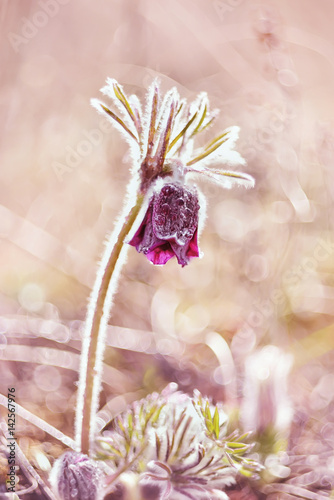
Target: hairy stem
x: 95, y: 329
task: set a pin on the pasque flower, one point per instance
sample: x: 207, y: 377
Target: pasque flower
x: 165, y: 159
x: 178, y: 447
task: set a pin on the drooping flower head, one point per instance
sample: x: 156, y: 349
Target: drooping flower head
x: 162, y: 144
x: 170, y: 225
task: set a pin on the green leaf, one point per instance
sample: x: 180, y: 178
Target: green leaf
x: 157, y: 445
x: 216, y: 423
x: 207, y: 152
x: 121, y: 97
x: 183, y: 131
x: 179, y: 108
x: 235, y: 445
x: 217, y: 139
x: 207, y: 411
x: 208, y: 123
x: 120, y: 424
x: 118, y: 120
x: 219, y: 175
x: 243, y: 436
x: 116, y: 451
x: 130, y: 425
x: 209, y: 425
x: 157, y: 414
x: 197, y: 129
x: 246, y: 472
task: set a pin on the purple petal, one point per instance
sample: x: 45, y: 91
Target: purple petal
x: 160, y: 254
x: 193, y: 250
x: 143, y: 228
x: 169, y: 226
x: 186, y: 252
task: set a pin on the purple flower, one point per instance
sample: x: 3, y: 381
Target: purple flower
x: 170, y: 226
x: 162, y: 139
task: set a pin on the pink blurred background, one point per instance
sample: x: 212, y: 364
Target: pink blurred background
x: 267, y: 272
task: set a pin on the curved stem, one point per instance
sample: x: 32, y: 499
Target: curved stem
x: 95, y: 329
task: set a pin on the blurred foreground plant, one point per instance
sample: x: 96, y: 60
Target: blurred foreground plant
x: 266, y: 408
x: 175, y: 447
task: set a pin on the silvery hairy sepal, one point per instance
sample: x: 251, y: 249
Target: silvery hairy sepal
x: 76, y: 477
x: 165, y: 161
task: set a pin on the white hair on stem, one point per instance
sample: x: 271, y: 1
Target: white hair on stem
x: 92, y: 310
x: 112, y: 288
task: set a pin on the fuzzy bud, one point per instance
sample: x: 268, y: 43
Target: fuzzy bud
x: 76, y: 477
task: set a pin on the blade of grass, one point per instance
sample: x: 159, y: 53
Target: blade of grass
x: 40, y: 423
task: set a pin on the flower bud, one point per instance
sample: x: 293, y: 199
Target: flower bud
x: 74, y: 476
